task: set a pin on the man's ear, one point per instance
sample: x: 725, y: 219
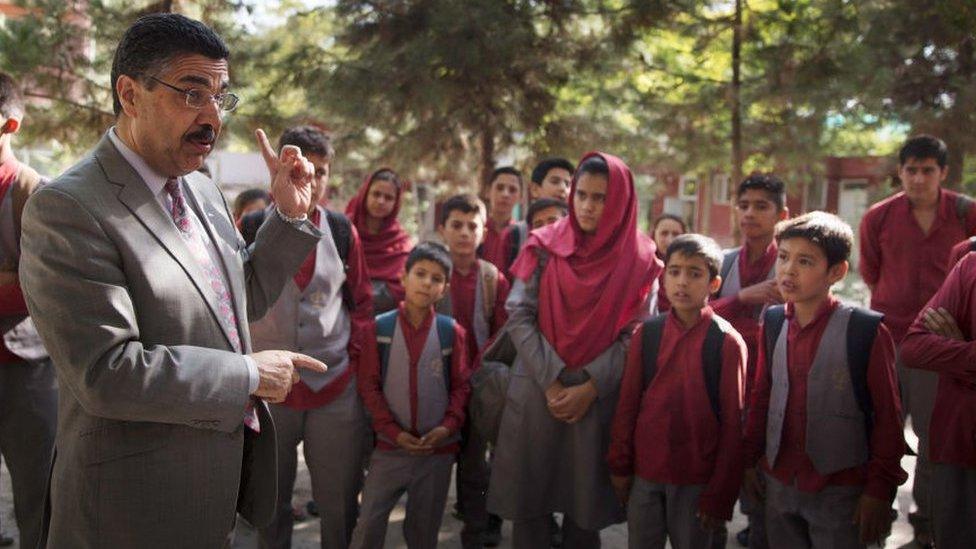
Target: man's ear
x: 125, y: 87
x: 11, y: 125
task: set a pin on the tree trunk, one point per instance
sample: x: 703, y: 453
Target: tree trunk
x: 487, y: 156
x: 735, y: 94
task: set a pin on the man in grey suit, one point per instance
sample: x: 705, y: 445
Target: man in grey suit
x: 141, y: 288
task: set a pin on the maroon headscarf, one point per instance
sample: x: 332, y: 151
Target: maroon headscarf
x: 386, y: 251
x: 593, y: 285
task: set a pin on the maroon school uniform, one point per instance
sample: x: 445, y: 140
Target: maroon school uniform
x: 953, y: 428
x: 960, y: 250
x: 463, y: 287
x: 370, y: 383
x: 11, y: 297
x: 663, y: 303
x: 493, y: 247
x: 744, y: 317
x: 302, y: 397
x: 668, y: 433
x: 906, y: 266
x: 882, y: 473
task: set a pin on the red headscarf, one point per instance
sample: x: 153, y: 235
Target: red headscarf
x: 593, y: 285
x: 386, y: 251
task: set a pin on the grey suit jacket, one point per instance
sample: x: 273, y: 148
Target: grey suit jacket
x: 150, y: 449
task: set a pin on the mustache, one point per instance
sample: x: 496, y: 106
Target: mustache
x: 206, y: 134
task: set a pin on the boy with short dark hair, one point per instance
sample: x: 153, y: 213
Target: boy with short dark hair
x: 476, y: 300
x: 545, y: 211
x: 676, y: 436
x: 413, y: 379
x: 906, y: 241
x: 504, y: 193
x: 825, y: 421
x: 551, y: 180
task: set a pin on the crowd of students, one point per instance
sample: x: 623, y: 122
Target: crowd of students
x: 570, y: 364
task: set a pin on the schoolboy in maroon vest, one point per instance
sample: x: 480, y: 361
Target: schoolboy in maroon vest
x: 28, y: 389
x: 676, y: 437
x: 906, y: 240
x: 749, y: 285
x: 322, y: 312
x: 413, y: 378
x: 504, y: 192
x: 476, y: 300
x: 941, y: 341
x: 824, y: 427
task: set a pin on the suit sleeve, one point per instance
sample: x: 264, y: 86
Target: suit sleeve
x: 723, y: 488
x: 75, y: 283
x: 460, y: 388
x: 278, y: 251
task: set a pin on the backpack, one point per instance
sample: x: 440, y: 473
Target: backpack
x: 341, y: 229
x: 711, y: 357
x: 861, y: 330
x: 520, y: 233
x: 386, y: 325
x: 489, y: 287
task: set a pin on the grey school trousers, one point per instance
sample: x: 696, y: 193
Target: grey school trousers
x: 803, y: 520
x: 334, y: 437
x: 534, y: 533
x: 918, y: 388
x: 425, y: 480
x: 954, y: 506
x: 659, y: 512
x: 28, y: 423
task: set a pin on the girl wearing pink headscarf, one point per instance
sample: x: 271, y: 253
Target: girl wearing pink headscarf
x: 386, y: 244
x: 581, y: 285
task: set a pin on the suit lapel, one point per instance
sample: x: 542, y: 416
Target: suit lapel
x: 135, y: 195
x: 221, y: 232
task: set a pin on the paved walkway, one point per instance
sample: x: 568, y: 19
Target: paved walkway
x: 307, y: 532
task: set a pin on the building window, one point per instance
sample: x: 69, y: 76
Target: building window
x: 720, y: 188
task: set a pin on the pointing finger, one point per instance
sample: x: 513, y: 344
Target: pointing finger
x: 267, y: 151
x: 304, y: 361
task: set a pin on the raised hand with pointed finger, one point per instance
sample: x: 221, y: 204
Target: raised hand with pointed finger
x: 291, y: 177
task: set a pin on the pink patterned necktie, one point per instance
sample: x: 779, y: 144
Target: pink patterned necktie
x: 194, y: 241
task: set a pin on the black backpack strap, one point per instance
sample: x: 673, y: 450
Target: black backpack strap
x: 861, y: 330
x: 773, y: 321
x: 341, y: 229
x: 712, y: 366
x: 250, y: 224
x: 963, y: 205
x: 650, y: 345
x: 728, y: 260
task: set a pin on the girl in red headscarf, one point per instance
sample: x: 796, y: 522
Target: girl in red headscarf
x: 581, y: 285
x: 386, y: 245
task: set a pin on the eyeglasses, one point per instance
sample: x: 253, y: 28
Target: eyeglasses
x: 198, y: 99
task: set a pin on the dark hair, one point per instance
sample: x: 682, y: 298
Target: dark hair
x: 544, y: 204
x: 11, y: 101
x: 386, y: 174
x: 154, y: 40
x: 542, y: 168
x: 506, y: 170
x: 697, y: 245
x: 595, y: 165
x: 924, y: 146
x: 672, y: 217
x: 464, y: 203
x: 826, y: 230
x: 250, y: 195
x: 430, y: 251
x: 772, y: 185
x: 309, y: 140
